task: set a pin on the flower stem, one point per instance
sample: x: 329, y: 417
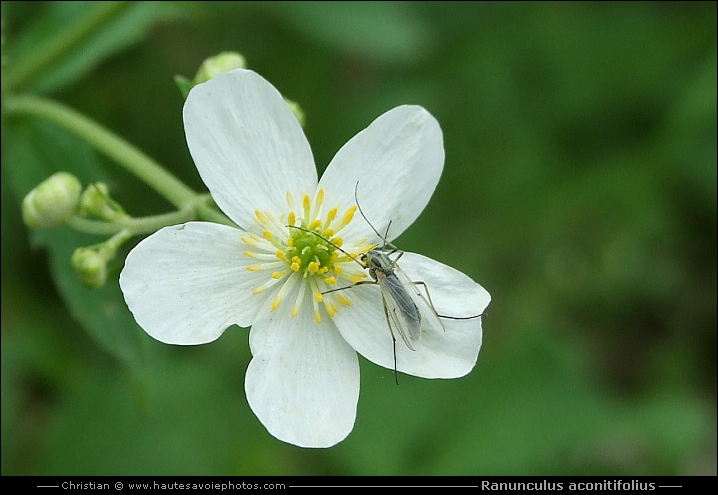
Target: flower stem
x: 68, y: 40
x: 210, y: 214
x: 150, y: 224
x: 126, y: 155
x: 134, y: 226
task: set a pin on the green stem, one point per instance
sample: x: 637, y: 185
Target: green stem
x: 68, y: 40
x: 110, y: 144
x: 150, y: 224
x: 135, y: 226
x: 96, y: 227
x: 210, y: 214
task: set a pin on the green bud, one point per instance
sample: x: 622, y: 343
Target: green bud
x: 53, y: 202
x: 223, y: 62
x: 90, y: 266
x: 90, y: 263
x: 296, y: 110
x: 96, y: 202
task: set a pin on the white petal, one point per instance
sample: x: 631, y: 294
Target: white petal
x: 186, y: 284
x: 449, y: 354
x: 247, y: 145
x: 303, y: 380
x: 397, y: 162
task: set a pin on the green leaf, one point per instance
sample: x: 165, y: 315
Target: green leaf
x: 32, y: 151
x: 68, y: 39
x: 388, y: 32
x: 184, y: 85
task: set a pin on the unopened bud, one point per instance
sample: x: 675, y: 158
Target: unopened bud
x: 296, y: 110
x: 96, y: 202
x: 90, y: 267
x: 53, y: 202
x: 223, y: 62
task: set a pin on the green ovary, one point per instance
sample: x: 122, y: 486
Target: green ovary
x: 309, y: 252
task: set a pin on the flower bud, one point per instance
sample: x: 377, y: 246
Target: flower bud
x: 90, y: 267
x: 223, y: 62
x: 96, y: 202
x: 52, y: 202
x: 296, y: 110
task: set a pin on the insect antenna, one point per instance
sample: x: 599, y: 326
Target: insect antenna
x: 382, y: 237
x: 460, y: 317
x: 353, y: 258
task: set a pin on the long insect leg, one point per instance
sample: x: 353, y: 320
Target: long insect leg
x: 431, y: 305
x: 388, y: 322
x: 361, y: 282
x: 386, y: 315
x: 401, y: 253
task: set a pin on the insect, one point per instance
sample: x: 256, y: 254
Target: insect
x: 407, y: 309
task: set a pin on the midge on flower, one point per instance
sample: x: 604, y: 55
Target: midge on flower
x: 406, y: 308
x: 187, y: 284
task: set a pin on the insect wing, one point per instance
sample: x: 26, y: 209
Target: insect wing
x: 401, y: 308
x: 430, y: 321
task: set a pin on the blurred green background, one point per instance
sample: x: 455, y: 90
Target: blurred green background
x: 579, y: 188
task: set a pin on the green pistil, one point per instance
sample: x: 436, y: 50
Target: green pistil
x: 310, y: 252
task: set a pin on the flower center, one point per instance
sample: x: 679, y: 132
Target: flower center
x: 310, y: 251
x: 303, y: 249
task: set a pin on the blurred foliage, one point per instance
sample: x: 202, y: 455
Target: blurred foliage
x: 579, y: 188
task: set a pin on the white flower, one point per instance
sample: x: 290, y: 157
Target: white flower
x: 186, y: 284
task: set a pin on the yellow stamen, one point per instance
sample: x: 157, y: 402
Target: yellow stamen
x: 313, y: 267
x: 318, y: 200
x: 251, y: 254
x: 249, y: 240
x: 344, y: 300
x: 306, y: 204
x: 318, y: 296
x: 254, y: 268
x: 366, y: 247
x: 268, y: 235
x: 292, y: 218
x: 276, y: 275
x: 261, y: 217
x: 258, y: 290
x: 331, y: 309
x: 315, y: 223
x: 330, y: 280
x: 290, y: 199
x: 330, y: 216
x: 300, y: 297
x: 280, y: 255
x: 276, y: 303
x: 348, y: 215
x: 317, y: 316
